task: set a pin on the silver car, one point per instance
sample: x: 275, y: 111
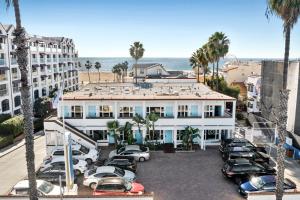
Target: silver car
x: 139, y: 153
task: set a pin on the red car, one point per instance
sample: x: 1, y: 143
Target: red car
x: 118, y: 186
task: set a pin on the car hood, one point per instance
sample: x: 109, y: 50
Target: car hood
x: 55, y: 191
x: 129, y: 175
x: 137, y: 187
x: 112, y: 153
x: 248, y: 187
x: 81, y: 163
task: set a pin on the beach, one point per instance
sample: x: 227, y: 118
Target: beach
x: 94, y: 77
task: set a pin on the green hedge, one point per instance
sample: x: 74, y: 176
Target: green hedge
x: 4, y: 117
x: 38, y: 125
x: 12, y: 126
x: 6, y: 140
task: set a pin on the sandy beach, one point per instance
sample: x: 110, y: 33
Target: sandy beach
x: 94, y: 76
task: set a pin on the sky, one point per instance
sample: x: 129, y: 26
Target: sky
x: 167, y: 28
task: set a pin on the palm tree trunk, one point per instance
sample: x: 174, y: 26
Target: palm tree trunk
x: 22, y: 59
x: 198, y: 71
x: 135, y: 71
x: 286, y: 56
x: 217, y: 86
x: 204, y: 72
x: 213, y: 75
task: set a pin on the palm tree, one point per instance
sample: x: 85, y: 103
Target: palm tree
x: 127, y: 130
x: 288, y: 11
x: 22, y: 59
x: 138, y: 120
x: 153, y: 117
x: 136, y: 52
x: 88, y: 66
x: 206, y: 69
x: 124, y: 67
x: 198, y: 60
x: 148, y: 126
x: 220, y: 43
x: 98, y: 66
x: 188, y: 135
x: 117, y: 71
x: 113, y: 128
x: 195, y: 63
x: 212, y: 52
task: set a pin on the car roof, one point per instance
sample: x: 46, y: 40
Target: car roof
x: 239, y: 161
x: 25, y: 184
x: 61, y: 148
x: 112, y: 180
x: 268, y: 178
x: 239, y: 149
x: 109, y: 169
x: 132, y: 147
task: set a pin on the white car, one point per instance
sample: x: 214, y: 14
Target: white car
x: 78, y: 151
x: 44, y: 188
x: 92, y: 177
x: 79, y: 166
x: 139, y: 153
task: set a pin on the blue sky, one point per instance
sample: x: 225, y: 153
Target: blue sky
x: 167, y: 28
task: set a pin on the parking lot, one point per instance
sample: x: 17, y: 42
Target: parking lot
x: 194, y: 175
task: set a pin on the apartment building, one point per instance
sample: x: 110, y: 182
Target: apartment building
x: 177, y: 104
x: 52, y: 62
x: 253, y: 84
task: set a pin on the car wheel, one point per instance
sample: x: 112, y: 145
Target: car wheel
x: 77, y: 172
x: 142, y: 159
x: 93, y: 185
x: 89, y: 161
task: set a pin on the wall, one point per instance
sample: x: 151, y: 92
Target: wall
x: 271, y: 196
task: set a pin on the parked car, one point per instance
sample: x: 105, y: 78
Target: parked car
x: 44, y: 188
x: 79, y: 166
x: 118, y: 186
x: 238, y: 152
x: 52, y: 173
x: 92, y: 176
x: 239, y: 142
x: 140, y: 153
x: 121, y: 163
x: 241, y: 169
x: 264, y: 184
x: 78, y: 151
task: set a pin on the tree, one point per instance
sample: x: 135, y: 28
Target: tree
x: 124, y: 68
x: 198, y: 60
x: 220, y: 45
x: 212, y: 52
x: 188, y: 135
x: 153, y: 117
x: 117, y: 71
x: 288, y: 11
x: 127, y: 130
x: 98, y: 66
x: 136, y: 52
x: 42, y: 107
x: 113, y: 128
x: 138, y: 121
x: 20, y: 41
x: 88, y: 66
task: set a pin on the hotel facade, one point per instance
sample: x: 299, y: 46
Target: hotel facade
x: 51, y: 61
x: 178, y: 105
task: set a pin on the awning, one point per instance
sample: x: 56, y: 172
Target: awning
x: 16, y: 81
x: 4, y: 68
x: 44, y: 75
x: 35, y: 65
x: 43, y: 65
x: 42, y: 53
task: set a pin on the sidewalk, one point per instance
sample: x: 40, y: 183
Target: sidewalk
x: 6, y: 150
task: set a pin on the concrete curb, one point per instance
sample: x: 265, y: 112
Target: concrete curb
x: 17, y: 147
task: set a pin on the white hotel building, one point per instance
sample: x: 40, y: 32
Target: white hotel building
x: 86, y: 112
x: 51, y: 60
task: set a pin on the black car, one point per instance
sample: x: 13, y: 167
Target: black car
x: 130, y: 160
x: 121, y: 163
x: 241, y: 169
x: 238, y: 152
x: 51, y: 174
x: 239, y: 142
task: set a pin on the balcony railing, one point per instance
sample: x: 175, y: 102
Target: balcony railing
x: 2, y: 61
x: 3, y: 92
x: 3, y: 77
x: 16, y: 89
x: 49, y: 60
x: 13, y: 61
x: 15, y: 75
x: 35, y: 84
x: 34, y: 60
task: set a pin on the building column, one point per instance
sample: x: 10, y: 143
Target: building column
x: 202, y: 140
x: 84, y: 110
x: 116, y: 110
x: 175, y: 109
x: 233, y: 109
x: 175, y: 136
x: 203, y: 109
x: 144, y: 109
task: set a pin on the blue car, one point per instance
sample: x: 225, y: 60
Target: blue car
x: 264, y: 184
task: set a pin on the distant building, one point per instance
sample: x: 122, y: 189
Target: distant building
x: 272, y: 77
x: 149, y: 70
x: 253, y: 84
x: 50, y: 60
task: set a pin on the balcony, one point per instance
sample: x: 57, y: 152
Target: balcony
x: 43, y: 83
x: 2, y: 61
x: 14, y: 61
x: 225, y: 115
x: 16, y: 89
x: 49, y: 60
x: 42, y: 60
x: 34, y: 60
x: 35, y: 84
x: 3, y: 92
x: 3, y: 77
x: 33, y: 48
x: 15, y: 76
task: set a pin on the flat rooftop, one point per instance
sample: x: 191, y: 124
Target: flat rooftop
x: 146, y: 91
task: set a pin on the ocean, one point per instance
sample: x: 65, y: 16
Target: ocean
x: 169, y: 63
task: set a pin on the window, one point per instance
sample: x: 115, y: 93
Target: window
x: 58, y: 153
x: 123, y: 136
x: 179, y: 134
x: 218, y: 111
x: 98, y: 134
x: 17, y: 101
x: 158, y: 135
x: 76, y: 111
x: 126, y: 111
x: 44, y: 92
x: 5, y: 105
x: 106, y: 111
x: 142, y: 71
x: 36, y: 94
x: 250, y: 87
x: 182, y: 111
x: 159, y: 111
x: 212, y: 134
x: 250, y: 105
x: 209, y: 111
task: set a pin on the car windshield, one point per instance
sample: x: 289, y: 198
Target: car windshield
x: 92, y: 171
x: 84, y: 149
x: 257, y: 182
x: 119, y: 171
x: 45, y: 187
x: 120, y: 150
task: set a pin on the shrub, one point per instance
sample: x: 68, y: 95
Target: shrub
x: 239, y: 116
x: 38, y: 125
x: 6, y: 140
x: 4, y: 117
x: 42, y: 107
x: 12, y: 126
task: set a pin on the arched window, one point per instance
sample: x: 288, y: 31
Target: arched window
x: 36, y: 94
x: 17, y: 101
x: 5, y: 105
x: 44, y: 92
